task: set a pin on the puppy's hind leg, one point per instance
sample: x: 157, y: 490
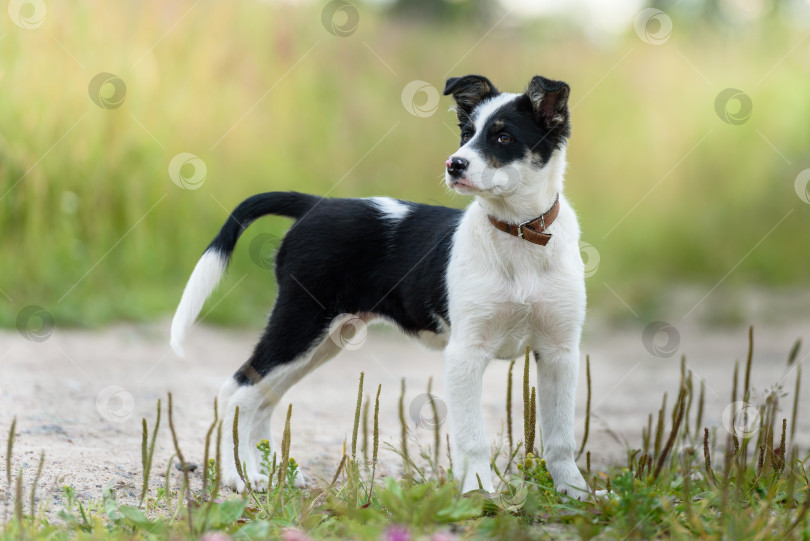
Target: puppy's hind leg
x: 294, y: 343
x: 246, y: 398
x: 280, y: 379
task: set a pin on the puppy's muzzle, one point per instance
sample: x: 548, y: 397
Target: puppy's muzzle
x: 456, y: 168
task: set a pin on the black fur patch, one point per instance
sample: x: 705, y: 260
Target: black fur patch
x: 528, y: 133
x: 469, y: 91
x: 346, y: 256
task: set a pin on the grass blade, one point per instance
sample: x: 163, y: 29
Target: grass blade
x: 436, y: 426
x: 376, y: 440
x: 404, y: 432
x: 207, y: 445
x: 285, y: 450
x: 659, y: 428
x: 795, y: 414
x: 748, y: 361
x: 339, y: 469
x: 147, y: 454
x: 183, y: 465
x: 35, y: 483
x: 357, y: 410
x: 9, y: 449
x: 794, y: 352
x: 532, y: 420
x: 587, y: 405
x: 527, y: 426
x: 18, y: 500
x: 509, y: 411
x: 708, y: 457
x: 701, y: 402
x: 680, y: 407
x: 364, y: 448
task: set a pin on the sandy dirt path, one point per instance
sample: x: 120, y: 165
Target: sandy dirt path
x: 80, y: 395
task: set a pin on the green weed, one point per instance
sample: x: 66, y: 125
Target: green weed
x: 681, y: 483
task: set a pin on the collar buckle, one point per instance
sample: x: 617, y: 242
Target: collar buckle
x: 520, y: 228
x: 536, y: 226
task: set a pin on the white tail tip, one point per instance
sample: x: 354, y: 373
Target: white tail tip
x: 178, y: 349
x: 204, y: 279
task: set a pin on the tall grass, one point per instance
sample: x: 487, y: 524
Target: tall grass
x: 93, y: 229
x: 675, y: 492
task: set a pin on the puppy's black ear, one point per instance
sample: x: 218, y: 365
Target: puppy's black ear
x: 549, y: 100
x: 469, y: 91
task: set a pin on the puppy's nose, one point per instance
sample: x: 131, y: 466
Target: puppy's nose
x: 456, y: 166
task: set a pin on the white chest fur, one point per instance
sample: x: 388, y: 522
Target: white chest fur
x: 505, y: 292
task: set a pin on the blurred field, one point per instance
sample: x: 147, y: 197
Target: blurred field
x: 93, y: 229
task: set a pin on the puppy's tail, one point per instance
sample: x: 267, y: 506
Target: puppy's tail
x: 214, y: 261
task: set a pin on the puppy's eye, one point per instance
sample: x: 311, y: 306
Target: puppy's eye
x: 504, y: 138
x: 466, y: 135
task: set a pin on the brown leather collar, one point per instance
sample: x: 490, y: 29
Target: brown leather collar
x: 533, y: 230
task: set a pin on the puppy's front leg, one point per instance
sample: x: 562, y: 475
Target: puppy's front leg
x: 464, y: 372
x: 557, y: 370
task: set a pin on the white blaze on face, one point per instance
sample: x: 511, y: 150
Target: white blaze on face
x: 479, y: 173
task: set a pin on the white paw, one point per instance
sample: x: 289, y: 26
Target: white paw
x: 232, y: 481
x: 473, y: 474
x: 299, y: 481
x: 568, y: 480
x: 573, y: 491
x: 258, y: 481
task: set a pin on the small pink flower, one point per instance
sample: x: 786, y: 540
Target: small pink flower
x: 215, y: 536
x: 397, y: 533
x: 443, y: 536
x: 290, y: 534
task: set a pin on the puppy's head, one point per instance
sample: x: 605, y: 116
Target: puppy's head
x: 506, y: 139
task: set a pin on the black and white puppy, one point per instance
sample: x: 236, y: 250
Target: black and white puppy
x: 482, y: 284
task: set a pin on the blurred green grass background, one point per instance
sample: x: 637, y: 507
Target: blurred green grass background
x: 93, y: 229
